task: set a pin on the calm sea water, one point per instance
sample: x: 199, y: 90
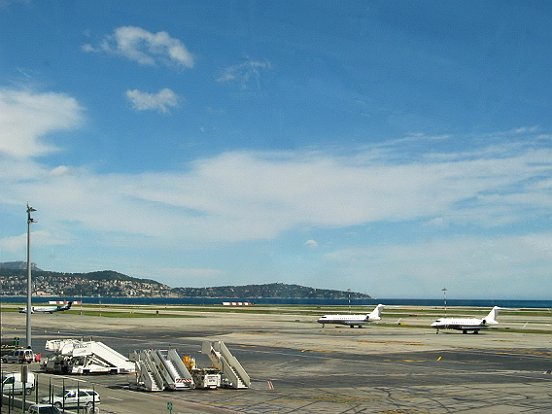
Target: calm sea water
x: 293, y: 301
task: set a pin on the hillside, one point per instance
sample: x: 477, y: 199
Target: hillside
x: 272, y: 290
x: 108, y: 283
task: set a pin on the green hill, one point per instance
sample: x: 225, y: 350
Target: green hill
x: 107, y: 283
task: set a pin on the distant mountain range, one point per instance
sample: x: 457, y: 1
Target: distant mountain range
x: 108, y: 283
x: 271, y: 290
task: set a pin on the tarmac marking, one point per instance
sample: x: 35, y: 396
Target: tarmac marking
x: 113, y: 398
x: 71, y: 378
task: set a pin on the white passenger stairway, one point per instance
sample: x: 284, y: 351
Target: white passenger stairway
x: 234, y: 375
x: 157, y: 370
x: 74, y: 356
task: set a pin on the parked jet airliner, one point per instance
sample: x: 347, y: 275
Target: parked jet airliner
x: 467, y: 324
x: 353, y: 320
x: 48, y: 309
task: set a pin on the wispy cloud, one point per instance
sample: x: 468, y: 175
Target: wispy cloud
x: 311, y: 244
x: 244, y: 73
x: 43, y: 238
x: 468, y: 266
x: 237, y: 196
x: 144, y: 47
x: 241, y: 196
x: 161, y: 101
x: 482, y: 199
x: 26, y: 117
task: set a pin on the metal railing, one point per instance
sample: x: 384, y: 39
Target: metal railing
x: 19, y: 396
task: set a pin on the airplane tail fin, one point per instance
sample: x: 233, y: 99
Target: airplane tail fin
x: 491, y: 317
x: 69, y: 305
x: 376, y: 313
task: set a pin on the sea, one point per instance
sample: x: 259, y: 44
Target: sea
x: 160, y: 301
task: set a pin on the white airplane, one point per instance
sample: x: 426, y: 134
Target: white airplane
x: 353, y: 320
x: 48, y: 309
x: 467, y: 324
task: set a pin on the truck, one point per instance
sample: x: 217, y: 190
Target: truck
x: 206, y: 378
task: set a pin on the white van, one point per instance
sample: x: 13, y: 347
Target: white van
x: 20, y: 356
x: 11, y: 383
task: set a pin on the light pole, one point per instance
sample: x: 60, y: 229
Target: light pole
x: 445, y: 299
x: 29, y: 281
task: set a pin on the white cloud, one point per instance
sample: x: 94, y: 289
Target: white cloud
x: 61, y: 170
x: 244, y: 73
x: 88, y: 48
x: 144, y: 47
x: 18, y: 244
x: 161, y: 101
x: 241, y: 196
x: 26, y: 117
x: 311, y: 244
x: 12, y: 244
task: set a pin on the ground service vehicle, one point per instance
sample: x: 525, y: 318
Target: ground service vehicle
x: 11, y: 383
x: 19, y: 356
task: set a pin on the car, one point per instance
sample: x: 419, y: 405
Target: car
x: 74, y: 397
x: 20, y: 356
x: 44, y: 409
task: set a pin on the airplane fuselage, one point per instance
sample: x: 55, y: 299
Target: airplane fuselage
x: 461, y: 324
x: 353, y: 320
x: 47, y: 309
x: 40, y: 309
x: 467, y: 324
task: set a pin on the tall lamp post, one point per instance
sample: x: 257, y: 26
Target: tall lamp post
x: 29, y: 281
x: 445, y: 299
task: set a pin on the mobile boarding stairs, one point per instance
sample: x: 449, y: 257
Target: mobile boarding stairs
x: 72, y: 356
x: 233, y: 374
x: 158, y: 370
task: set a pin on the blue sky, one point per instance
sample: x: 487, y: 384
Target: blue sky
x: 388, y: 147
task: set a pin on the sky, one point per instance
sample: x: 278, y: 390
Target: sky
x: 393, y: 148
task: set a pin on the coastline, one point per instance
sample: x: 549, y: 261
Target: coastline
x: 157, y: 300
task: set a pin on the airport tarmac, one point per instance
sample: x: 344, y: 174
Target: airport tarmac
x: 298, y: 366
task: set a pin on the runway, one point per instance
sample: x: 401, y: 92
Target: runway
x: 298, y: 367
